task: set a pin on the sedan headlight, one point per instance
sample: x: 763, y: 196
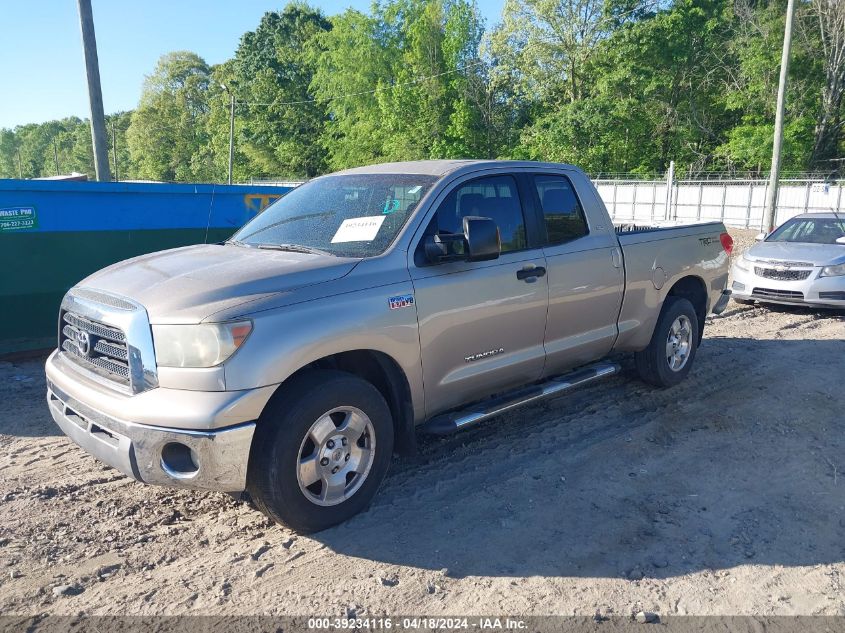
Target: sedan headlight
x: 833, y: 271
x: 742, y: 263
x: 202, y: 345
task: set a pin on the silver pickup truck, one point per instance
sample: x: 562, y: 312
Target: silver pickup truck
x: 293, y: 360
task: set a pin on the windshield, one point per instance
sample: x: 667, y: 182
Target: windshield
x: 809, y: 230
x: 349, y: 216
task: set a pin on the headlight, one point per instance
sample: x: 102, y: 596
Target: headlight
x: 203, y: 345
x: 742, y: 263
x: 833, y: 271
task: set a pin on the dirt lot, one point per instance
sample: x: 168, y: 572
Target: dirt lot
x: 725, y: 495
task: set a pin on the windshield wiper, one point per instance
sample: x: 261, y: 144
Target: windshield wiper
x: 294, y: 248
x: 286, y: 220
x: 238, y: 243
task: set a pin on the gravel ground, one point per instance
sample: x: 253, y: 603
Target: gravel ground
x: 724, y: 495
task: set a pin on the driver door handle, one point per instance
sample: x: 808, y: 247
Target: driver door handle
x: 530, y: 273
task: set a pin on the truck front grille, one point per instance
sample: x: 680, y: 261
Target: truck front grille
x: 782, y: 275
x: 95, y: 346
x: 771, y: 293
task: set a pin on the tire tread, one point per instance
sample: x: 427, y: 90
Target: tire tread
x: 274, y: 493
x: 650, y: 363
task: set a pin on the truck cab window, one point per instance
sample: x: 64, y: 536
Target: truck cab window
x: 563, y: 214
x: 492, y: 197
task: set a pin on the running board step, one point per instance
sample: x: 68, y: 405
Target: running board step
x: 447, y: 423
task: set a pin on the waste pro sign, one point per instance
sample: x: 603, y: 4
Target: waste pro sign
x: 18, y: 219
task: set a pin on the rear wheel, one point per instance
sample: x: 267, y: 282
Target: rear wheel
x: 321, y: 450
x: 669, y: 356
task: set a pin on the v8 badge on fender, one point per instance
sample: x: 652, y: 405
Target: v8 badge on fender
x: 402, y: 301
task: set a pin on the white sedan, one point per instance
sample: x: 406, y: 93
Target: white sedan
x: 802, y: 262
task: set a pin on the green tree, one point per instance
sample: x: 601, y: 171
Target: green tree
x: 610, y: 85
x: 168, y: 129
x: 750, y: 93
x: 280, y: 123
x: 117, y: 126
x: 652, y: 92
x: 828, y: 137
x: 353, y: 63
x: 73, y: 147
x: 405, y: 83
x: 8, y: 154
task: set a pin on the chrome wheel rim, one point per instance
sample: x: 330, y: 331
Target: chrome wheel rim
x: 679, y: 343
x: 336, y: 456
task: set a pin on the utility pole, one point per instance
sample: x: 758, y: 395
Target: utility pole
x: 231, y: 129
x: 114, y: 151
x: 56, y: 157
x: 774, y: 177
x: 95, y: 93
x: 670, y: 184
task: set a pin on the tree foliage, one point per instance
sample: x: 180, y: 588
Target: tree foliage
x: 280, y: 133
x: 403, y: 83
x: 610, y: 85
x: 168, y: 129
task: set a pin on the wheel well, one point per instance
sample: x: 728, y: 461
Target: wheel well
x: 695, y: 291
x: 384, y: 374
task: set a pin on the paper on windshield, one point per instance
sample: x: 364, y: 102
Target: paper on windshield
x: 359, y: 229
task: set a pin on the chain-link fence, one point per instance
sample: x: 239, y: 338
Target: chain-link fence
x: 738, y: 203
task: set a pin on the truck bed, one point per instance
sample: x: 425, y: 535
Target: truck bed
x: 655, y: 257
x: 630, y: 228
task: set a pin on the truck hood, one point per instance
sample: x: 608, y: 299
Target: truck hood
x: 817, y: 254
x: 190, y: 284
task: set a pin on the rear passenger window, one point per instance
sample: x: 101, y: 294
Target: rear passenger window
x: 563, y: 214
x: 493, y: 197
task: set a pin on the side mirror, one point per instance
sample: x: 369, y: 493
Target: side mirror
x: 444, y: 248
x: 482, y: 239
x: 759, y: 237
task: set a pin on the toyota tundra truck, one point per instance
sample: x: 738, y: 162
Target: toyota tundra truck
x: 292, y: 361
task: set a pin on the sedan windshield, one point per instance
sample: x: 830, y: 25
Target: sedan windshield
x: 349, y: 216
x: 809, y: 230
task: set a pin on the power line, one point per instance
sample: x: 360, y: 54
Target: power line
x: 367, y: 92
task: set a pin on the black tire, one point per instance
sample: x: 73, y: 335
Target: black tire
x: 652, y: 364
x: 272, y: 479
x: 745, y: 302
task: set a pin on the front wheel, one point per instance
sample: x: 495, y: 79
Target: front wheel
x: 321, y: 450
x: 668, y: 358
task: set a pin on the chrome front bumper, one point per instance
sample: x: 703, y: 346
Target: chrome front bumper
x: 171, y: 437
x: 212, y: 460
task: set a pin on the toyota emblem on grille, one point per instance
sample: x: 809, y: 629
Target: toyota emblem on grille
x: 83, y: 342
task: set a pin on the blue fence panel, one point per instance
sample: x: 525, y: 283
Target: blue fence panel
x: 54, y: 233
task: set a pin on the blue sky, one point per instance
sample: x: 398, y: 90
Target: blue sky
x: 42, y: 76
